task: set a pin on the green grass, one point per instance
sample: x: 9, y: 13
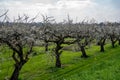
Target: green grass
x: 99, y: 66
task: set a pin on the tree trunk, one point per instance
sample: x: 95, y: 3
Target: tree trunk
x: 113, y: 41
x: 113, y: 44
x: 46, y: 46
x: 102, y: 43
x: 58, y: 62
x: 16, y: 71
x: 84, y: 55
x: 57, y: 53
x: 102, y: 48
x: 119, y: 41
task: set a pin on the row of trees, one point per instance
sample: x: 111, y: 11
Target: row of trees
x: 20, y: 37
x: 82, y: 34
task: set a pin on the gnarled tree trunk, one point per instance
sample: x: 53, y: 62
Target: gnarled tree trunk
x: 16, y: 71
x: 102, y: 43
x: 113, y: 44
x: 102, y: 48
x: 57, y: 54
x: 58, y: 61
x: 119, y: 41
x: 46, y: 46
x: 84, y: 55
x: 113, y: 41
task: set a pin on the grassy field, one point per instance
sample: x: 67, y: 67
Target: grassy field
x: 98, y: 66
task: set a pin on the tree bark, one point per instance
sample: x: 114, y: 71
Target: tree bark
x: 113, y: 41
x: 46, y: 46
x: 58, y: 62
x: 113, y: 44
x: 16, y: 71
x: 84, y: 55
x: 57, y: 53
x: 102, y: 43
x: 102, y: 48
x: 119, y: 41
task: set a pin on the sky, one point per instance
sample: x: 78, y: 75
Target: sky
x: 78, y: 10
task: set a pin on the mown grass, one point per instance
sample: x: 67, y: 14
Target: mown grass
x: 98, y: 66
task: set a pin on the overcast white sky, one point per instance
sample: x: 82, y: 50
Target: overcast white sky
x: 100, y: 10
